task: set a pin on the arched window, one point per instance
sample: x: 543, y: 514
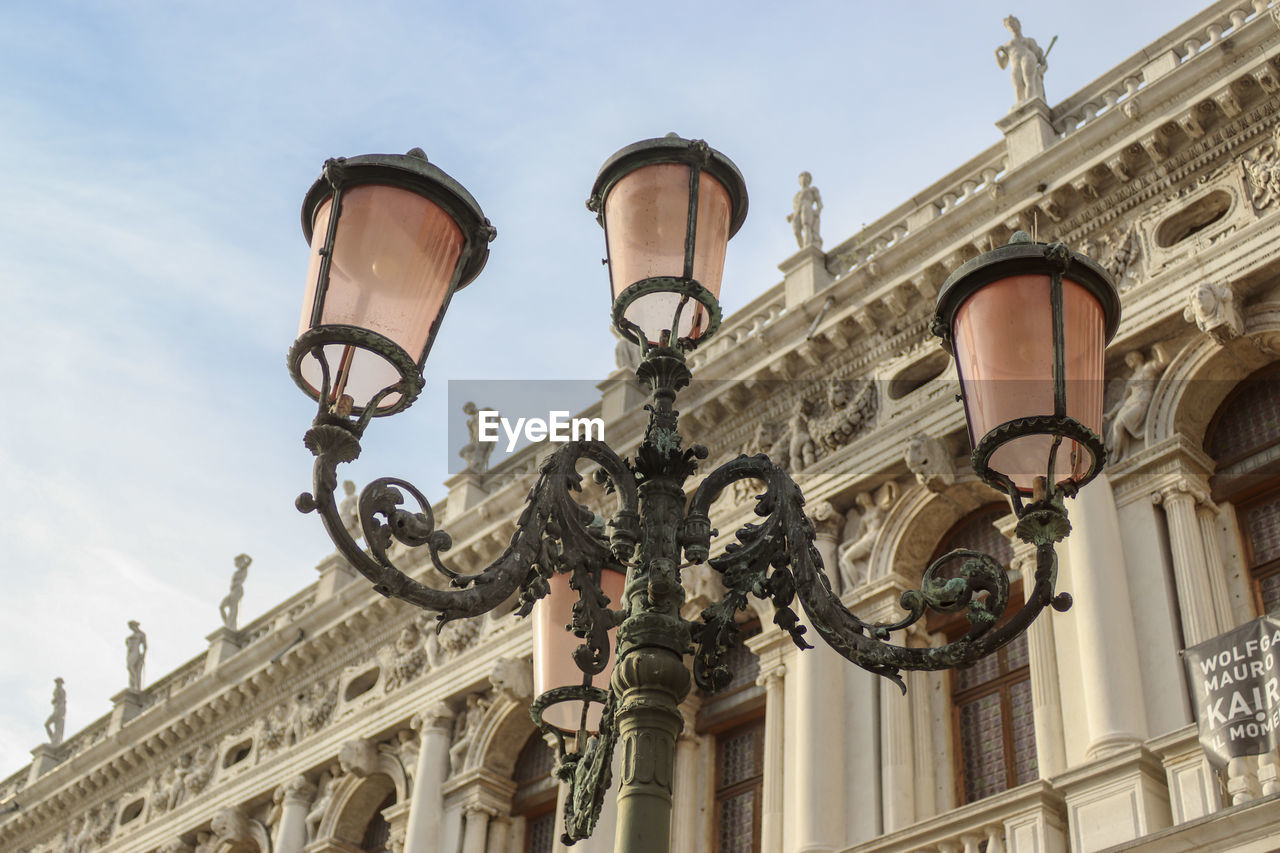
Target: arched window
x: 377, y: 833
x: 1244, y: 440
x: 535, y: 797
x: 991, y: 700
x: 734, y: 717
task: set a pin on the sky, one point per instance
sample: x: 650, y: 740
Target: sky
x: 154, y: 157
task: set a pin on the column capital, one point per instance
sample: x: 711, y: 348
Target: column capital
x: 827, y: 520
x: 437, y: 716
x: 771, y: 676
x: 298, y: 791
x: 1186, y: 486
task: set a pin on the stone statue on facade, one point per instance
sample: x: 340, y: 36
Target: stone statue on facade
x: 1263, y: 171
x: 466, y: 729
x: 56, y: 724
x: 1025, y: 61
x: 873, y: 507
x: 928, y: 459
x: 1124, y: 421
x: 626, y: 355
x: 135, y: 646
x: 806, y: 210
x: 761, y: 442
x: 513, y: 677
x: 1212, y: 307
x: 312, y: 709
x: 229, y: 609
x: 408, y: 658
x: 1117, y: 250
x: 475, y: 454
x: 852, y: 407
x: 799, y: 450
x: 327, y: 789
x: 349, y: 511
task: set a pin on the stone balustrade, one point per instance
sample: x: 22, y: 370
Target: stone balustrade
x: 1120, y: 86
x: 1031, y: 817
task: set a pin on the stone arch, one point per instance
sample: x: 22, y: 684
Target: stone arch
x: 917, y: 522
x: 235, y: 832
x: 503, y: 731
x: 1203, y: 373
x: 361, y: 790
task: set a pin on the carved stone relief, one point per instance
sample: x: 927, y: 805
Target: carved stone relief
x: 1213, y: 308
x: 1119, y: 251
x: 408, y: 659
x: 327, y: 789
x: 1124, y: 421
x: 1262, y: 169
x: 930, y: 461
x: 513, y: 677
x: 873, y: 506
x: 451, y: 640
x: 465, y: 729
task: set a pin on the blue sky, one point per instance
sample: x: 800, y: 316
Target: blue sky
x: 151, y: 260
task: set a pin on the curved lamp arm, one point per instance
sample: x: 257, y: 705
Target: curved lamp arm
x: 777, y: 559
x: 552, y: 534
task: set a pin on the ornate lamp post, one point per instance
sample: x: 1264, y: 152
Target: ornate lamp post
x: 393, y: 237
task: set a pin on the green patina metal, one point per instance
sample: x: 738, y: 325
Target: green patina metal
x: 653, y: 525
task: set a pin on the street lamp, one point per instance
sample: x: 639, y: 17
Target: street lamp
x: 1027, y: 323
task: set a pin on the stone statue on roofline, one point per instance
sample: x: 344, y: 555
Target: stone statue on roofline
x: 229, y: 609
x: 349, y: 511
x: 56, y: 724
x: 1025, y: 61
x: 476, y: 452
x: 135, y: 646
x: 806, y: 210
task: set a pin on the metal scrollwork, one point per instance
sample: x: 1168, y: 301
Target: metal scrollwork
x: 589, y: 768
x: 777, y: 559
x: 553, y: 534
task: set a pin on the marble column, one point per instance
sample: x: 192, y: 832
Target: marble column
x: 499, y: 835
x: 1042, y: 654
x: 426, y: 803
x: 291, y: 834
x: 1115, y: 713
x: 1190, y: 565
x: 897, y: 768
x: 819, y: 731
x: 1207, y: 514
x: 774, y: 756
x: 475, y: 830
x: 688, y: 811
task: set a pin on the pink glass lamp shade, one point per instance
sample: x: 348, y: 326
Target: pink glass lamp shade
x: 1028, y: 324
x: 668, y: 207
x: 382, y: 272
x: 553, y: 646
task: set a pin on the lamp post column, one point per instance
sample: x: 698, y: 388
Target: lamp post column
x: 650, y: 679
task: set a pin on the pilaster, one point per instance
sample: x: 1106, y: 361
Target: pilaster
x: 291, y: 832
x: 426, y: 804
x: 769, y: 648
x: 1042, y: 653
x: 466, y: 489
x: 223, y: 643
x: 43, y: 759
x: 1027, y: 131
x: 1115, y: 800
x: 1107, y: 644
x: 804, y: 274
x: 817, y: 803
x: 126, y: 705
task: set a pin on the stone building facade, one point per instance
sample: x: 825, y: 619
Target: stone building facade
x: 339, y: 721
